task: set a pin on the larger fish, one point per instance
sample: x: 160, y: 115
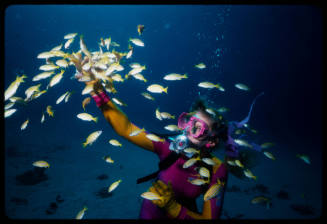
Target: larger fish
x: 11, y: 90
x: 92, y: 138
x: 174, y: 76
x: 42, y: 75
x: 208, y: 85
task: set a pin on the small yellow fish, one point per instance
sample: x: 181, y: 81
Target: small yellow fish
x: 9, y: 112
x: 200, y: 65
x: 38, y: 94
x: 114, y: 142
x: 108, y: 159
x: 57, y: 48
x: 119, y: 102
x: 208, y: 85
x: 87, y: 117
x: 231, y: 162
x: 211, y: 111
x: 62, y: 63
x: 41, y: 163
x: 85, y: 102
x: 42, y: 118
x: 9, y: 105
x: 155, y: 88
x: 11, y: 90
x: 238, y: 163
x: 29, y: 92
x: 214, y: 190
x: 61, y: 98
x: 48, y: 67
x: 204, y: 172
x: 242, y: 142
x: 56, y: 79
x: 136, y: 132
x: 249, y: 174
x: 24, y: 125
x: 114, y: 185
x: 50, y: 111
x: 137, y: 42
x: 191, y: 150
x: 151, y: 196
x: 154, y: 138
x: 117, y: 78
x: 45, y: 55
x: 166, y: 115
x: 68, y: 43
x: 175, y: 76
x: 158, y: 114
x: 140, y: 77
x: 136, y: 70
x: 135, y: 65
x: 68, y: 96
x: 172, y: 127
x: 87, y: 89
x: 261, y: 200
x: 198, y: 182
x: 209, y: 161
x: 242, y: 86
x: 148, y: 96
x: 269, y: 155
x: 81, y: 213
x: 70, y: 36
x: 92, y: 138
x: 42, y: 75
x: 190, y: 162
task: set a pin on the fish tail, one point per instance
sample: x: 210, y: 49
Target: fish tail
x: 84, y: 144
x: 255, y: 177
x: 95, y: 119
x: 185, y: 75
x: 165, y: 90
x: 173, y: 116
x: 145, y: 80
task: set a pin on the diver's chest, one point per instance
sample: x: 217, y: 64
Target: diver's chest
x: 179, y: 178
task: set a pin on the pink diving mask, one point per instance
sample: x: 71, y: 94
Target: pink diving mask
x: 193, y: 125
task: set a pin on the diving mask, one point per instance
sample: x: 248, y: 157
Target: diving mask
x: 193, y: 125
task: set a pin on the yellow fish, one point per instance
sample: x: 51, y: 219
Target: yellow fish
x: 108, y: 159
x: 190, y: 162
x: 29, y: 92
x: 48, y: 67
x: 166, y: 115
x: 42, y: 75
x: 140, y: 77
x: 9, y: 112
x: 70, y: 36
x: 249, y: 174
x: 267, y: 145
x: 200, y: 65
x: 24, y: 125
x: 92, y: 138
x: 208, y: 85
x: 81, y: 213
x: 56, y: 79
x: 151, y: 196
x: 155, y: 88
x: 41, y: 163
x: 62, y: 63
x: 198, y: 181
x: 204, y: 172
x: 209, y: 161
x: 242, y: 86
x: 85, y: 102
x: 136, y: 132
x: 172, y: 127
x: 238, y: 163
x: 158, y: 114
x: 61, y: 98
x: 213, y: 191
x: 137, y: 42
x: 154, y: 138
x: 119, y: 102
x: 87, y: 117
x: 68, y: 43
x: 175, y: 76
x: 269, y: 155
x: 114, y: 142
x: 148, y: 96
x: 191, y: 150
x: 49, y: 111
x: 114, y: 185
x: 260, y: 200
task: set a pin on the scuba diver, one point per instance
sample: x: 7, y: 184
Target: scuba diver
x: 187, y: 168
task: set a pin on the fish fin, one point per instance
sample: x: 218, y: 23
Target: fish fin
x: 95, y: 119
x: 165, y: 90
x: 84, y: 144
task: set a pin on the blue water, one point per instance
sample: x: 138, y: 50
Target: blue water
x: 275, y: 49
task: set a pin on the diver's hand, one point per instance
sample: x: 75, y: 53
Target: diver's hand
x: 167, y: 199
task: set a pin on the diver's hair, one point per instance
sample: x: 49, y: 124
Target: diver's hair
x: 220, y: 125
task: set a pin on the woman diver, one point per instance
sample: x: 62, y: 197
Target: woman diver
x: 187, y: 167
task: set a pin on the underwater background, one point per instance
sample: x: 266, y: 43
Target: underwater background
x: 275, y: 49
